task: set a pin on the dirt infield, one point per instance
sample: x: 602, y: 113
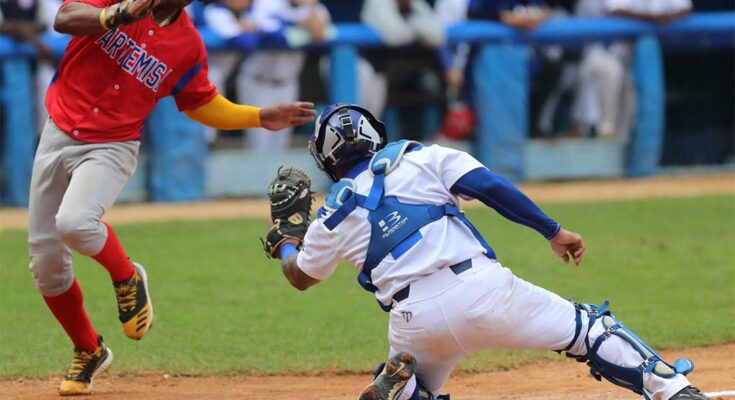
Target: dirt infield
x: 556, y: 192
x: 556, y: 380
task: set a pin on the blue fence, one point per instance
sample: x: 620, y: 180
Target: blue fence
x: 498, y: 76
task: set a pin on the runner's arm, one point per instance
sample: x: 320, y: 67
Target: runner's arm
x: 78, y: 19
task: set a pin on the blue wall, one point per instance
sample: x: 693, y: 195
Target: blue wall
x: 499, y: 77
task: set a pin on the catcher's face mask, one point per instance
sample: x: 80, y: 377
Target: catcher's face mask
x: 345, y: 133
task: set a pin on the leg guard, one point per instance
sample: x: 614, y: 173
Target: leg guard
x: 627, y: 377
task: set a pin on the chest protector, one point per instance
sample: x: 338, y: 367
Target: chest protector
x: 394, y: 226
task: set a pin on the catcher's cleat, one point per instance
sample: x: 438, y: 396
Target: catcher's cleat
x: 83, y: 368
x: 134, y: 304
x: 689, y: 393
x: 392, y: 380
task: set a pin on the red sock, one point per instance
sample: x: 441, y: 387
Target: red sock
x: 68, y: 308
x: 114, y: 259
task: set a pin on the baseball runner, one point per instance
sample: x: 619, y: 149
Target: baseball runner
x: 393, y: 213
x: 123, y: 57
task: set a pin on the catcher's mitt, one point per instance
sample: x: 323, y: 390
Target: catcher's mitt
x: 290, y: 197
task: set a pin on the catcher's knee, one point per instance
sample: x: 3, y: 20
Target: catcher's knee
x: 52, y: 273
x: 81, y: 231
x: 599, y: 325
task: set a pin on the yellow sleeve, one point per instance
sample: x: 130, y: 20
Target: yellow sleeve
x: 221, y: 113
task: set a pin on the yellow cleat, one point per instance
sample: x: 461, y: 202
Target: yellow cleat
x: 134, y: 304
x: 83, y: 368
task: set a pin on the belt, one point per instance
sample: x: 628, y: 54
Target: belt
x: 456, y: 268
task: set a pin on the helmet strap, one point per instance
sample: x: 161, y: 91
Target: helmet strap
x: 346, y: 120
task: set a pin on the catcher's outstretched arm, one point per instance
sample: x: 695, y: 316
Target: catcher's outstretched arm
x: 291, y: 270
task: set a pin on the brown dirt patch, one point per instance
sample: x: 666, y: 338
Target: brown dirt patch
x: 555, y: 380
x: 556, y: 192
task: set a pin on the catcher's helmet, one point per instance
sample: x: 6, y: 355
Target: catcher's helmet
x: 345, y: 133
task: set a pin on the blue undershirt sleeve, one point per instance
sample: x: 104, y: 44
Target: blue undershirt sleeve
x: 496, y: 192
x: 286, y: 251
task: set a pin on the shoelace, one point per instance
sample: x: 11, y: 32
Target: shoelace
x: 126, y: 294
x: 81, y: 358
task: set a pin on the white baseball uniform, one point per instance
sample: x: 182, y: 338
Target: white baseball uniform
x: 450, y: 313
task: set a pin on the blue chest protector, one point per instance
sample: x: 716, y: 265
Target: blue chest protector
x: 394, y: 225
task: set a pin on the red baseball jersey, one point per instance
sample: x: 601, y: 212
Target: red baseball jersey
x: 108, y: 83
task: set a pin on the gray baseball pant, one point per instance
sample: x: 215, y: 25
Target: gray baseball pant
x: 72, y: 186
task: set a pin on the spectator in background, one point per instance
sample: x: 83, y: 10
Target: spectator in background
x: 402, y: 22
x: 554, y: 80
x: 26, y: 21
x: 605, y: 100
x: 268, y: 77
x: 521, y: 14
x: 451, y: 12
x: 658, y: 11
x: 459, y: 120
x: 372, y: 91
x: 229, y: 19
x: 46, y: 66
x: 413, y: 81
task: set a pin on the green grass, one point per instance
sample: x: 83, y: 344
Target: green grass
x: 667, y: 266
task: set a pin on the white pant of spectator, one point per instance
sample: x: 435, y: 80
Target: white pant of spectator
x: 221, y: 65
x: 372, y: 86
x: 267, y: 79
x: 605, y: 96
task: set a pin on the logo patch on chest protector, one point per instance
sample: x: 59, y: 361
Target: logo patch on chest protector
x: 391, y: 223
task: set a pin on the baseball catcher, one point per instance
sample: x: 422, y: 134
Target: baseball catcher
x: 290, y: 198
x: 393, y: 212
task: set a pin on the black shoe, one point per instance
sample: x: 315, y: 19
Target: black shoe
x: 690, y: 393
x: 392, y: 380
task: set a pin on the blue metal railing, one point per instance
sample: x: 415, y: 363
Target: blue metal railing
x: 499, y: 82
